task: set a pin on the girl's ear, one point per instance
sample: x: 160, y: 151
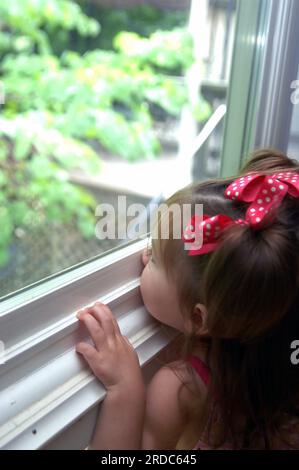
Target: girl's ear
x: 197, y: 322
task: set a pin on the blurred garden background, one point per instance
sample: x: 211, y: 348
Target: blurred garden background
x: 99, y: 99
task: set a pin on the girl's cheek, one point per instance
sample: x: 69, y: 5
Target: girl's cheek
x: 146, y: 289
x: 143, y: 282
x: 145, y: 257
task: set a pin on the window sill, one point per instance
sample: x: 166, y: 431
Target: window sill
x: 45, y: 387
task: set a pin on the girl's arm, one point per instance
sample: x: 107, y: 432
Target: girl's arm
x: 114, y: 361
x: 168, y: 408
x: 120, y: 421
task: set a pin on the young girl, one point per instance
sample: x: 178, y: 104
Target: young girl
x: 236, y: 301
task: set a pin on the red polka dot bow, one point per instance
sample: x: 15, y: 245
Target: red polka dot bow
x: 264, y: 192
x: 202, y: 234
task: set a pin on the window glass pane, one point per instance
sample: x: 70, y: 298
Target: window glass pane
x: 104, y: 104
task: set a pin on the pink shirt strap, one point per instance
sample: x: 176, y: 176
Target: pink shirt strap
x: 201, y: 369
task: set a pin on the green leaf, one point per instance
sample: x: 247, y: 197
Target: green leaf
x: 202, y: 110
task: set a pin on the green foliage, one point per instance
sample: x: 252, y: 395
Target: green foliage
x: 104, y: 95
x: 175, y: 52
x: 58, y: 106
x: 28, y: 23
x: 34, y: 186
x: 142, y: 19
x: 81, y: 98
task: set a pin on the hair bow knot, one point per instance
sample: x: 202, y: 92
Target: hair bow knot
x: 211, y: 228
x: 264, y: 192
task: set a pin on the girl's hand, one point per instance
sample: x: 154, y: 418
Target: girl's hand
x: 112, y: 358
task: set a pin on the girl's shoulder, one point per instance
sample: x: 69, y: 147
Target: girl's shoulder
x: 193, y: 378
x: 164, y: 416
x: 171, y: 395
x: 184, y: 383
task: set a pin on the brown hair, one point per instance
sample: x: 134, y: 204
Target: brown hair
x: 249, y: 286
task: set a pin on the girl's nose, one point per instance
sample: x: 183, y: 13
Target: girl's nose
x: 146, y: 254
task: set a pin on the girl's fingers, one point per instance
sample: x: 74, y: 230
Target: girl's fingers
x: 89, y: 353
x: 109, y: 315
x: 105, y: 317
x: 94, y: 328
x: 81, y: 312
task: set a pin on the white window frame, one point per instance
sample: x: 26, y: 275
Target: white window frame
x: 48, y: 395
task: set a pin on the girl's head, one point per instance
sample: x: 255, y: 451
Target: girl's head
x: 243, y: 295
